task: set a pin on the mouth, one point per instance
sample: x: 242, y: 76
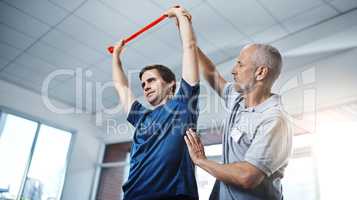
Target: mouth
x: 148, y: 94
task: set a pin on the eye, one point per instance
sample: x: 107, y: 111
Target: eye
x: 151, y: 80
x: 239, y: 63
x: 143, y: 85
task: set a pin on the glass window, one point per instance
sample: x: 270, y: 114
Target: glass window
x: 33, y: 159
x: 300, y: 178
x: 47, y: 170
x: 16, y: 140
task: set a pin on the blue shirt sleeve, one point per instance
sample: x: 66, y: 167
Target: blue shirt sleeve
x: 187, y: 92
x: 188, y: 96
x: 136, y: 112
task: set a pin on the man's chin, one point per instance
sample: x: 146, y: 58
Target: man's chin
x: 238, y: 88
x: 152, y: 101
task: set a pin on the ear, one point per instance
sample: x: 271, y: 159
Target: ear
x: 171, y: 85
x: 261, y: 73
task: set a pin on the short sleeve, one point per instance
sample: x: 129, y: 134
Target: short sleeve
x: 186, y: 91
x: 271, y: 147
x: 229, y: 94
x: 187, y: 96
x: 136, y: 112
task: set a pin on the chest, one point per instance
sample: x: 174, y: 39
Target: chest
x: 242, y: 127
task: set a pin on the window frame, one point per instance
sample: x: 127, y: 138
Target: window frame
x: 102, y: 165
x: 40, y: 121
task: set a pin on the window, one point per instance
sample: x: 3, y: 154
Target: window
x: 114, y: 171
x: 33, y: 159
x: 300, y: 178
x: 205, y: 181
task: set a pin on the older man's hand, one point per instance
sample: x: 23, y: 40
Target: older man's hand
x: 195, y: 147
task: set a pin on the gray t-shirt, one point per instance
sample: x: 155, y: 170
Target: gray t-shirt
x: 259, y: 135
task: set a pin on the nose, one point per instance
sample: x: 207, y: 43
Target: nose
x: 146, y: 87
x: 233, y: 71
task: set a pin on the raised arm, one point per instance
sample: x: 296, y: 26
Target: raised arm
x: 120, y: 80
x: 213, y: 77
x: 189, y: 58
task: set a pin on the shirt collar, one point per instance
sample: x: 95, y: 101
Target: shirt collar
x: 272, y: 101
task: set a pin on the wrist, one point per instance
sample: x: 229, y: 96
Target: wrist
x: 116, y: 54
x: 201, y: 161
x: 181, y: 16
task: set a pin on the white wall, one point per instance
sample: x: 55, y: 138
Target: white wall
x: 333, y: 77
x: 85, y: 144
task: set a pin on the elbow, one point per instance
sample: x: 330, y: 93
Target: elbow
x: 192, y: 45
x: 250, y: 181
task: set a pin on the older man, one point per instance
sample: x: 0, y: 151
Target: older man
x: 257, y: 141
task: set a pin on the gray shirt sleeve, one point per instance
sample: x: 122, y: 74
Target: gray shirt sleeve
x: 229, y: 94
x: 271, y: 146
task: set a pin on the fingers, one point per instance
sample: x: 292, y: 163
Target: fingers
x: 188, y: 142
x: 118, y: 48
x: 188, y: 15
x: 171, y: 12
x: 195, y: 146
x: 121, y: 43
x: 178, y: 10
x: 194, y: 139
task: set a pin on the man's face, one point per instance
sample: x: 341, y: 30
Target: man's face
x: 154, y: 87
x: 243, y: 71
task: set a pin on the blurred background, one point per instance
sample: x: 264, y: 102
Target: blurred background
x: 63, y: 134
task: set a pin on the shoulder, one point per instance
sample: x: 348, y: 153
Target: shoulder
x: 274, y: 113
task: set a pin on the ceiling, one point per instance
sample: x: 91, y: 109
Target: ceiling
x: 39, y: 37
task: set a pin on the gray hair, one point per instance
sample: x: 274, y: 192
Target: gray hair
x: 269, y: 56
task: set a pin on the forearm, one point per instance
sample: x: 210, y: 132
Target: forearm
x: 119, y: 77
x: 236, y: 174
x: 190, y: 70
x: 121, y: 85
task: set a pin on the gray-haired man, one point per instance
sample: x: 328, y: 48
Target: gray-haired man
x: 257, y: 141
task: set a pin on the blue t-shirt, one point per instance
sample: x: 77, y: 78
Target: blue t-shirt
x: 160, y: 165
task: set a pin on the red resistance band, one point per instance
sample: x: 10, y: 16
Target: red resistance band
x: 136, y: 34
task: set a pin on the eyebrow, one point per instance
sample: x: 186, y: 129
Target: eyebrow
x: 148, y: 80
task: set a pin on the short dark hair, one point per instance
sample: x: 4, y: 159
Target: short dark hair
x: 166, y: 74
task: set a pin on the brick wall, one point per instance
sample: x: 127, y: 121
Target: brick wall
x: 111, y: 179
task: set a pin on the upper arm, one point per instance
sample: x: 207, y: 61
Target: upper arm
x: 121, y: 84
x: 213, y: 77
x: 126, y: 97
x: 271, y: 147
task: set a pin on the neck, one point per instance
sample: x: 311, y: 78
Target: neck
x: 256, y: 96
x: 164, y: 101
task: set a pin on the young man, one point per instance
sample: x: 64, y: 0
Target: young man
x: 257, y: 141
x: 160, y: 165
